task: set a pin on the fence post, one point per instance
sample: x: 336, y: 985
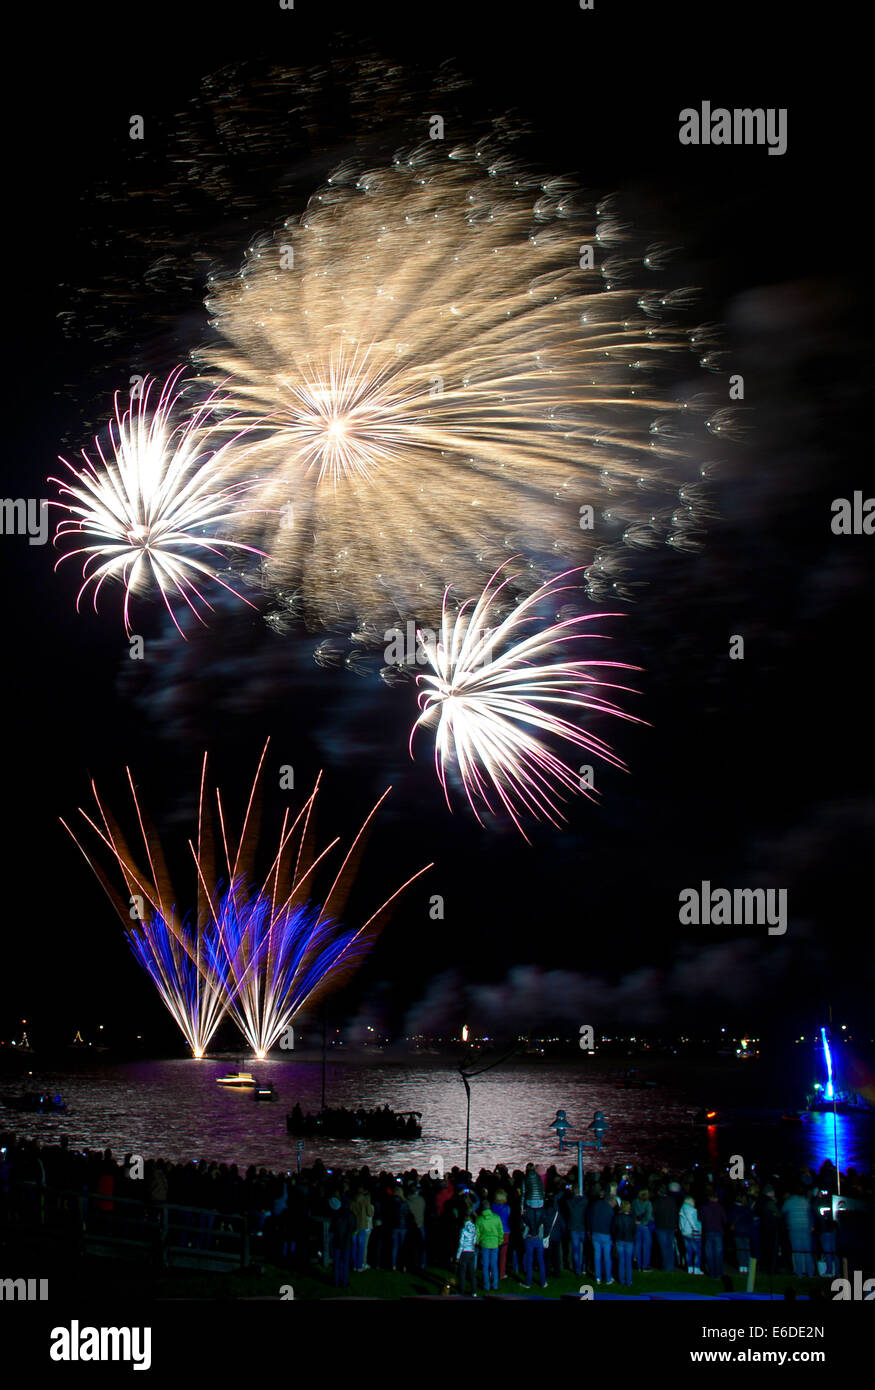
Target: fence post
x: 163, y: 1231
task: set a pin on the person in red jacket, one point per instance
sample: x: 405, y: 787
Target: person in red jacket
x: 443, y: 1195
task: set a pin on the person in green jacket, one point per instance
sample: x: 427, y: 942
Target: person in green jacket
x: 490, y: 1235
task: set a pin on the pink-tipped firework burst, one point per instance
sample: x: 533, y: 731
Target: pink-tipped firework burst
x: 180, y: 956
x: 257, y: 948
x: 281, y: 949
x: 491, y: 687
x: 151, y: 505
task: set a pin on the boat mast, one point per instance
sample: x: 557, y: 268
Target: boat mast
x: 824, y: 1033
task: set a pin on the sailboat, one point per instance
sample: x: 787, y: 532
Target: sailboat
x: 826, y: 1094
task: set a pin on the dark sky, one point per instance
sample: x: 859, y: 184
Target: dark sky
x: 750, y: 772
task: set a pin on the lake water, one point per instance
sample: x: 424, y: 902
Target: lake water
x: 174, y: 1109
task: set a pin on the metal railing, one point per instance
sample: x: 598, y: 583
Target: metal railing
x: 170, y: 1235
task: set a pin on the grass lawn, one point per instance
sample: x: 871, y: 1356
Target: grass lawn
x: 381, y: 1283
x: 99, y: 1277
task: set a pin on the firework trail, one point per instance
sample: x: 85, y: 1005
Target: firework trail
x: 280, y: 951
x: 181, y: 957
x: 277, y: 960
x: 446, y: 360
x: 484, y: 705
x: 184, y: 966
x: 259, y: 953
x: 146, y: 510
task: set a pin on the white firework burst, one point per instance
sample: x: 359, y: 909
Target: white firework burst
x: 152, y: 506
x: 350, y: 420
x: 491, y: 687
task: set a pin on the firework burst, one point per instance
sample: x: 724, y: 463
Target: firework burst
x: 276, y: 959
x: 181, y: 957
x: 185, y: 967
x: 445, y: 360
x: 259, y: 949
x: 145, y: 510
x: 491, y: 687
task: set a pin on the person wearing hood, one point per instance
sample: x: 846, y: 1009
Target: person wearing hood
x: 691, y: 1230
x: 533, y: 1187
x: 466, y: 1252
x: 490, y: 1235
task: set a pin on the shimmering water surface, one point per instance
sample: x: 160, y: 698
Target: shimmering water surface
x: 175, y: 1109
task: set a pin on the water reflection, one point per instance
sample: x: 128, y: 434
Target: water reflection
x: 175, y: 1109
x: 830, y: 1135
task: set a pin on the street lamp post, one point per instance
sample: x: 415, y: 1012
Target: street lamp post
x: 466, y: 1075
x: 598, y: 1126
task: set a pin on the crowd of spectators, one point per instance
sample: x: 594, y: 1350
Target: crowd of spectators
x: 503, y: 1224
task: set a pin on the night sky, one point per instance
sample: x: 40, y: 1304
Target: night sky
x: 753, y: 772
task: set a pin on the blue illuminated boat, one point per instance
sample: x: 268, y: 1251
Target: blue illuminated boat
x: 826, y: 1095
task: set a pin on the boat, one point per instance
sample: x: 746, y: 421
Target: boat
x: 632, y: 1081
x: 268, y: 1092
x: 356, y: 1124
x: 842, y: 1103
x: 708, y: 1118
x: 826, y: 1095
x: 38, y: 1102
x: 238, y: 1080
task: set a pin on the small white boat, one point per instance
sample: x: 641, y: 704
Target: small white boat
x: 242, y: 1080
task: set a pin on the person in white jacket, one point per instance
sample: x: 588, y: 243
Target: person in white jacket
x: 691, y: 1229
x: 466, y: 1254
